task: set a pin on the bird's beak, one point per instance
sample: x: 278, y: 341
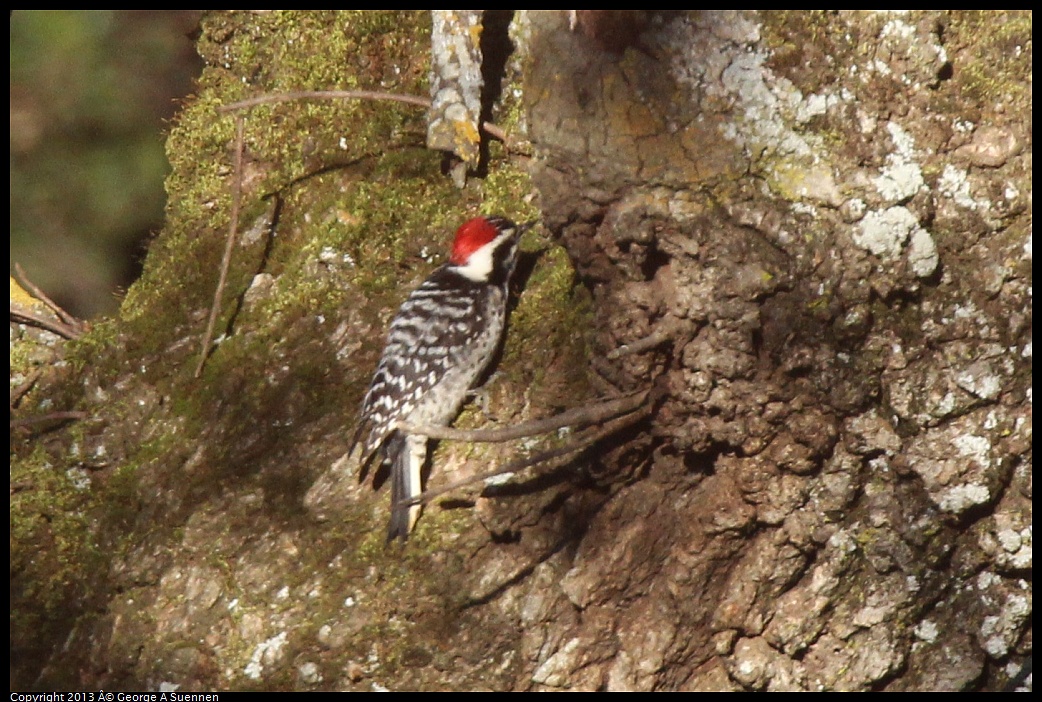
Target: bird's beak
x: 522, y: 228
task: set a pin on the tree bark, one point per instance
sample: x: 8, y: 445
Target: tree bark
x: 811, y: 229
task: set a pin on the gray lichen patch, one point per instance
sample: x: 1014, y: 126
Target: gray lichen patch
x: 845, y: 312
x: 456, y: 83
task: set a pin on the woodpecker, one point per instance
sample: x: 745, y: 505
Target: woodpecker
x: 439, y: 345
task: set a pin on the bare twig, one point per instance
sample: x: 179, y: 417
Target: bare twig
x: 19, y: 392
x: 648, y: 342
x: 50, y: 417
x: 324, y: 95
x: 54, y: 306
x: 580, y: 442
x: 488, y: 127
x: 69, y: 327
x: 579, y: 416
x: 24, y: 316
x: 233, y: 226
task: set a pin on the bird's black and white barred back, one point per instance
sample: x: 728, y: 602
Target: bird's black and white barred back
x: 439, y: 345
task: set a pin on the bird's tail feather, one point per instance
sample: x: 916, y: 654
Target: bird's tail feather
x: 407, y: 454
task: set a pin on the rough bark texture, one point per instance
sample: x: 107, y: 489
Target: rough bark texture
x: 821, y: 220
x: 830, y: 224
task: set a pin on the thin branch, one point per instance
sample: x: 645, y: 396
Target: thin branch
x: 23, y: 316
x: 52, y: 416
x: 19, y: 392
x: 324, y: 95
x: 648, y: 342
x: 488, y: 127
x: 42, y: 296
x: 67, y: 325
x: 579, y: 416
x: 233, y: 226
x: 579, y: 443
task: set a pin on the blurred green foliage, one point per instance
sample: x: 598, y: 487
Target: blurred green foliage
x: 90, y: 92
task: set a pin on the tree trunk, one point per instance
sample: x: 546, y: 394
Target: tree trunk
x: 809, y: 235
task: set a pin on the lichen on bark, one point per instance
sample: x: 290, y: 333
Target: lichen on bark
x: 825, y: 216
